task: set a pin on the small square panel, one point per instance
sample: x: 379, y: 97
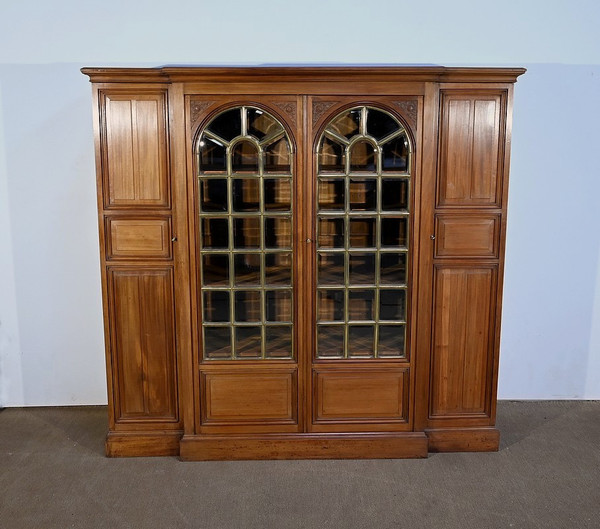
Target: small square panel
x: 215, y: 270
x: 246, y: 194
x: 330, y: 341
x: 278, y: 194
x: 394, y: 232
x: 248, y: 342
x: 363, y: 194
x: 278, y: 269
x: 331, y: 233
x: 217, y: 343
x: 393, y: 269
x: 278, y: 341
x: 278, y: 232
x: 216, y: 306
x: 361, y: 305
x: 331, y: 194
x: 330, y: 269
x: 362, y: 233
x: 213, y: 194
x: 362, y: 268
x: 279, y: 305
x: 360, y: 341
x: 331, y: 305
x: 247, y: 306
x: 215, y: 233
x: 391, y: 340
x: 394, y: 194
x: 247, y: 269
x: 392, y: 305
x: 246, y: 232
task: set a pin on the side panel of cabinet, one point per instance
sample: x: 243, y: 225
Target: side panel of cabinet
x: 135, y: 167
x: 463, y: 326
x: 471, y: 148
x: 143, y: 345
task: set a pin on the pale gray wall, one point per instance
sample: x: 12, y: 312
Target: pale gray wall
x: 51, y: 343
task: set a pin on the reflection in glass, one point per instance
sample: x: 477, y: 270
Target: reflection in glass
x: 247, y: 306
x: 247, y: 269
x: 214, y: 233
x: 392, y: 305
x: 215, y: 270
x: 212, y: 155
x: 213, y: 195
x: 278, y: 232
x: 331, y: 194
x: 360, y: 305
x: 279, y: 305
x: 217, y: 342
x: 278, y: 194
x: 330, y: 269
x: 331, y: 233
x: 227, y: 125
x: 277, y: 157
x: 246, y: 232
x: 393, y: 268
x: 278, y: 269
x: 391, y: 340
x: 346, y: 124
x: 279, y: 341
x: 331, y: 305
x: 363, y: 194
x: 261, y: 124
x: 248, y: 342
x: 360, y: 340
x: 331, y: 156
x: 395, y: 154
x: 330, y: 341
x: 394, y: 194
x: 362, y: 268
x: 246, y: 194
x: 380, y: 124
x: 245, y: 157
x: 362, y: 157
x: 362, y: 232
x: 393, y: 231
x: 216, y: 305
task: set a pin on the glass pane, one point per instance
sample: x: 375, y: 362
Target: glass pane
x: 330, y: 341
x: 246, y: 194
x: 215, y: 270
x: 248, y: 342
x: 362, y: 268
x: 244, y: 157
x: 247, y: 306
x: 279, y: 341
x: 261, y: 124
x: 331, y: 194
x: 363, y: 194
x: 216, y: 305
x: 246, y: 232
x: 394, y: 195
x: 362, y: 157
x: 392, y: 305
x: 331, y: 305
x: 393, y: 231
x: 217, y: 342
x: 347, y: 124
x: 393, y: 268
x: 330, y: 269
x: 391, y: 340
x: 227, y: 125
x: 212, y: 155
x: 360, y: 305
x: 395, y: 154
x: 360, y: 340
x: 215, y: 233
x: 278, y: 194
x: 380, y: 124
x: 362, y: 233
x: 278, y: 232
x: 331, y: 233
x: 247, y: 269
x: 213, y: 195
x: 279, y: 305
x: 278, y: 269
x: 331, y: 156
x: 277, y: 157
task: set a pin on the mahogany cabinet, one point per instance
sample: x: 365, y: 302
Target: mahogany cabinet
x: 302, y: 262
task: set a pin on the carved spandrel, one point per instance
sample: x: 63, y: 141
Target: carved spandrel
x: 319, y: 108
x: 196, y: 109
x: 289, y: 109
x: 408, y: 110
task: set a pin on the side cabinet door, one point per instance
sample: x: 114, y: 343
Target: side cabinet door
x: 468, y: 251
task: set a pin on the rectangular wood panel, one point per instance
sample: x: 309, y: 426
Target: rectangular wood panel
x: 467, y: 236
x: 131, y: 238
x: 143, y: 347
x: 471, y: 127
x: 360, y: 394
x: 136, y: 168
x: 462, y: 341
x: 254, y: 395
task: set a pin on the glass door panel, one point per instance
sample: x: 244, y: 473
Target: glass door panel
x: 363, y: 190
x: 245, y: 236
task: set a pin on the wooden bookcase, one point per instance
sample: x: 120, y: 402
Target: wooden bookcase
x: 302, y: 262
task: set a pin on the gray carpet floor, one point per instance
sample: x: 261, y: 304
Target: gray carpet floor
x: 53, y: 474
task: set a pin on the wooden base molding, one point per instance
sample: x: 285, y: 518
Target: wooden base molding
x: 464, y: 440
x: 142, y: 444
x: 304, y: 446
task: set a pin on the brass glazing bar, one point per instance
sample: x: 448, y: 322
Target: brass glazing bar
x: 261, y: 208
x: 346, y: 255
x: 230, y: 248
x: 244, y: 121
x: 267, y: 140
x: 335, y: 136
x: 217, y: 138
